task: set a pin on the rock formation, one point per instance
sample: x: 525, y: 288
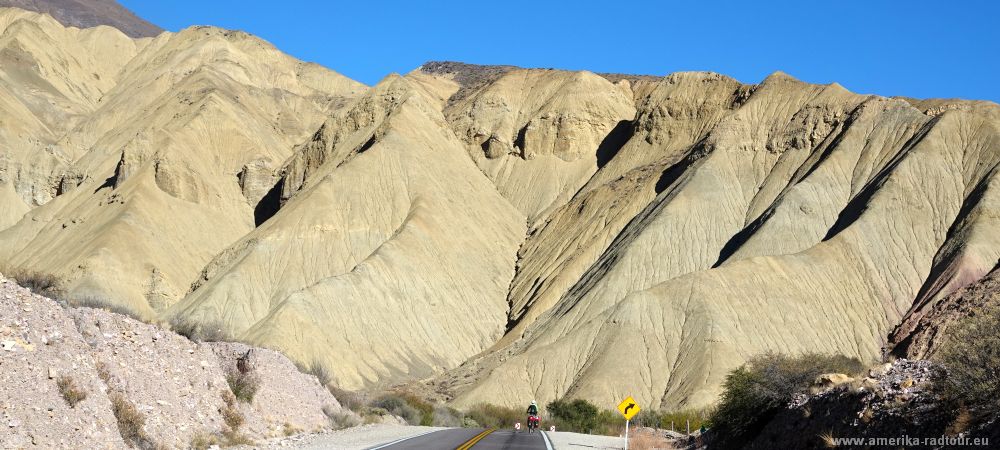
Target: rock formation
x: 177, y: 387
x: 88, y: 14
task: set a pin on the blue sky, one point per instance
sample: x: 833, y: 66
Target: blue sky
x: 909, y: 48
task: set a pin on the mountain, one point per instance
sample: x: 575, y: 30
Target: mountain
x: 170, y: 137
x: 88, y: 14
x: 486, y: 233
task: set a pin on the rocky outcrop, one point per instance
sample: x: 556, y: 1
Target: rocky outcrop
x: 923, y: 329
x: 178, y: 387
x: 893, y: 401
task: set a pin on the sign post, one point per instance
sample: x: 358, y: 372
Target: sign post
x: 629, y: 408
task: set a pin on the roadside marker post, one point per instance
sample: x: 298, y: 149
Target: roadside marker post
x: 629, y: 408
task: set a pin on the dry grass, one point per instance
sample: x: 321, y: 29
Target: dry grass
x: 102, y: 372
x: 646, y: 440
x: 199, y: 332
x: 233, y: 438
x: 41, y: 283
x: 962, y: 423
x: 234, y: 419
x: 493, y: 416
x: 130, y: 422
x: 204, y: 441
x: 231, y: 413
x: 290, y: 429
x: 828, y: 439
x: 103, y: 304
x: 70, y: 392
x: 318, y: 370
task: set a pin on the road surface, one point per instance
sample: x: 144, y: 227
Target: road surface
x: 472, y: 438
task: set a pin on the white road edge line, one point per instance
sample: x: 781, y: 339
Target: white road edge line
x: 548, y: 444
x: 403, y: 439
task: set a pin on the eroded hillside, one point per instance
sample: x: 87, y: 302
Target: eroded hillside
x: 495, y: 232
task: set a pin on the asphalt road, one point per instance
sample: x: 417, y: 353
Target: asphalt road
x: 472, y: 438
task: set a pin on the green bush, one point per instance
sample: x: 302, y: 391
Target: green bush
x: 970, y: 355
x: 679, y: 419
x: 576, y: 415
x: 609, y: 423
x: 754, y: 392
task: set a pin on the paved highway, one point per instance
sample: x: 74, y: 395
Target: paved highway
x: 472, y: 438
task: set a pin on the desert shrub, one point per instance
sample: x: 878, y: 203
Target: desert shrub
x: 230, y: 413
x: 102, y: 303
x: 242, y: 377
x: 576, y: 415
x: 288, y: 429
x: 374, y: 415
x: 468, y: 422
x: 204, y: 441
x: 425, y: 408
x: 493, y: 416
x: 412, y: 409
x: 244, y: 385
x: 754, y: 392
x: 448, y: 417
x: 130, y: 422
x: 318, y: 370
x: 233, y: 438
x: 212, y: 331
x: 70, y: 391
x: 350, y: 400
x: 103, y: 372
x: 970, y: 355
x: 41, y: 283
x: 341, y: 419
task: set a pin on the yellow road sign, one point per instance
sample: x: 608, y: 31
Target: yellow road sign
x: 629, y: 408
